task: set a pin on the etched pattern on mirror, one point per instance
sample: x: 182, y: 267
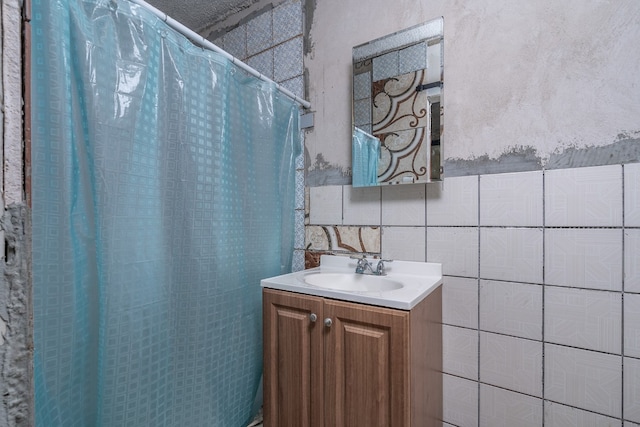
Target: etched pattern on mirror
x: 397, y: 107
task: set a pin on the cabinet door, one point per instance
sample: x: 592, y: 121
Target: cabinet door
x: 366, y: 363
x: 293, y: 360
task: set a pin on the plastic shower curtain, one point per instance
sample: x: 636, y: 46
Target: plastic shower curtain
x: 163, y: 187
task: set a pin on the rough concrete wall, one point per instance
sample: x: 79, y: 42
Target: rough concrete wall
x: 217, y: 27
x: 540, y: 84
x: 16, y: 352
x: 16, y: 326
x: 200, y: 14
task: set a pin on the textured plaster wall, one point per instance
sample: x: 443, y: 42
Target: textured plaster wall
x: 16, y: 344
x: 540, y: 84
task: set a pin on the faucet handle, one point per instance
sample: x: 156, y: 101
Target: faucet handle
x: 380, y: 266
x: 362, y: 263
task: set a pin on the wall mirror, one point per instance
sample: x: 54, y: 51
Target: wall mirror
x: 397, y: 109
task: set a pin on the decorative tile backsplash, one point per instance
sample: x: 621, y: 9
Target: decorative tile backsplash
x: 343, y: 238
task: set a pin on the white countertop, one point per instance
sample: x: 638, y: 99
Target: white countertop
x: 419, y: 279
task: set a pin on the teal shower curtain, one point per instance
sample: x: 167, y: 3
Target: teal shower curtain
x: 163, y: 187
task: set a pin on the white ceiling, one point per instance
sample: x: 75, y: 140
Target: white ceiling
x: 200, y: 14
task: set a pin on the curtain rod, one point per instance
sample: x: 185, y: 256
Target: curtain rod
x: 196, y: 38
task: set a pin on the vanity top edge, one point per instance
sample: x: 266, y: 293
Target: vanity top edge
x: 398, y: 304
x: 419, y: 280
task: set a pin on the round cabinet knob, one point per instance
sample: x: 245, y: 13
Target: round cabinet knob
x: 328, y: 322
x: 313, y: 317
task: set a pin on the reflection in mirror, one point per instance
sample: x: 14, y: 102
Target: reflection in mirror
x: 397, y: 107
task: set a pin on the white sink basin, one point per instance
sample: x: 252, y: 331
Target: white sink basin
x: 405, y: 284
x: 351, y: 282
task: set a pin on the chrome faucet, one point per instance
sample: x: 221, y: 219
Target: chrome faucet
x: 364, y: 265
x: 380, y: 267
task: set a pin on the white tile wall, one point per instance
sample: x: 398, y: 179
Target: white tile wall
x: 584, y: 258
x: 403, y: 205
x: 460, y: 401
x: 405, y: 243
x: 453, y: 202
x: 460, y: 301
x: 583, y: 318
x: 325, y: 205
x: 460, y: 351
x: 511, y: 199
x: 584, y: 379
x: 513, y: 254
x: 632, y: 389
x: 361, y: 206
x: 632, y: 260
x: 584, y: 197
x: 504, y: 408
x: 511, y: 308
x: 632, y: 195
x: 632, y: 325
x: 487, y: 233
x: 456, y: 248
x: 511, y: 363
x: 556, y: 415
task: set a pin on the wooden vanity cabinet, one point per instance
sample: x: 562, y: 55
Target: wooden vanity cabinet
x: 330, y: 363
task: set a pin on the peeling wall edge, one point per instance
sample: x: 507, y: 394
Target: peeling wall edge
x: 332, y: 176
x: 517, y: 160
x: 309, y: 8
x: 526, y: 159
x: 623, y: 151
x: 521, y: 159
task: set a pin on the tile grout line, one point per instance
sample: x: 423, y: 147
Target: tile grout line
x: 426, y: 222
x: 478, y: 294
x: 544, y: 286
x: 622, y: 308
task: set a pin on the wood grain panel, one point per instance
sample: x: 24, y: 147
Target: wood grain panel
x: 366, y: 356
x: 293, y: 360
x: 373, y: 367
